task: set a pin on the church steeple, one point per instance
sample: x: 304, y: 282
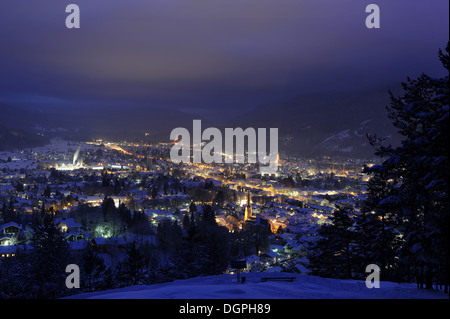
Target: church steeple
x: 248, y: 208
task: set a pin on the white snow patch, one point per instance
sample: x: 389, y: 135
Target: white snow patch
x: 303, y: 287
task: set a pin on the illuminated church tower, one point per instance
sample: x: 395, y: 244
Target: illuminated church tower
x: 248, y: 208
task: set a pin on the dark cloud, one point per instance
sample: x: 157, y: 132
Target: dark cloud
x: 206, y: 54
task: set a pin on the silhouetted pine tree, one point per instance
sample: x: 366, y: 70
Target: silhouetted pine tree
x: 186, y: 222
x: 93, y: 270
x: 379, y: 240
x: 47, y: 260
x: 418, y: 170
x: 108, y: 207
x: 168, y: 236
x: 333, y: 254
x: 131, y: 269
x: 14, y: 277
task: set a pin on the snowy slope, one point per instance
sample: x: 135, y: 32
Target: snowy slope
x: 303, y: 287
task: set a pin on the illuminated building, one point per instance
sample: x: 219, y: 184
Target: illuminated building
x: 248, y: 208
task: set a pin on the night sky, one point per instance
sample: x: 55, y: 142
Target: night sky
x: 210, y: 56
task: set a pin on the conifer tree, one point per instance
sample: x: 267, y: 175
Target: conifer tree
x: 108, y: 207
x: 131, y: 269
x: 186, y: 222
x: 47, y: 260
x: 333, y: 255
x: 418, y: 172
x: 93, y: 269
x: 379, y: 240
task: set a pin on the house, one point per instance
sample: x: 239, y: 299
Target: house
x: 301, y: 269
x: 99, y: 243
x: 9, y: 233
x: 302, y: 265
x: 7, y: 251
x: 274, y: 269
x: 269, y: 257
x: 251, y: 260
x: 71, y: 229
x: 10, y: 228
x: 67, y: 225
x: 103, y: 244
x: 277, y: 248
x: 5, y: 241
x: 74, y: 236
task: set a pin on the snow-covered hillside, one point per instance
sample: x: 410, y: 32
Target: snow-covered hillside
x: 303, y: 287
